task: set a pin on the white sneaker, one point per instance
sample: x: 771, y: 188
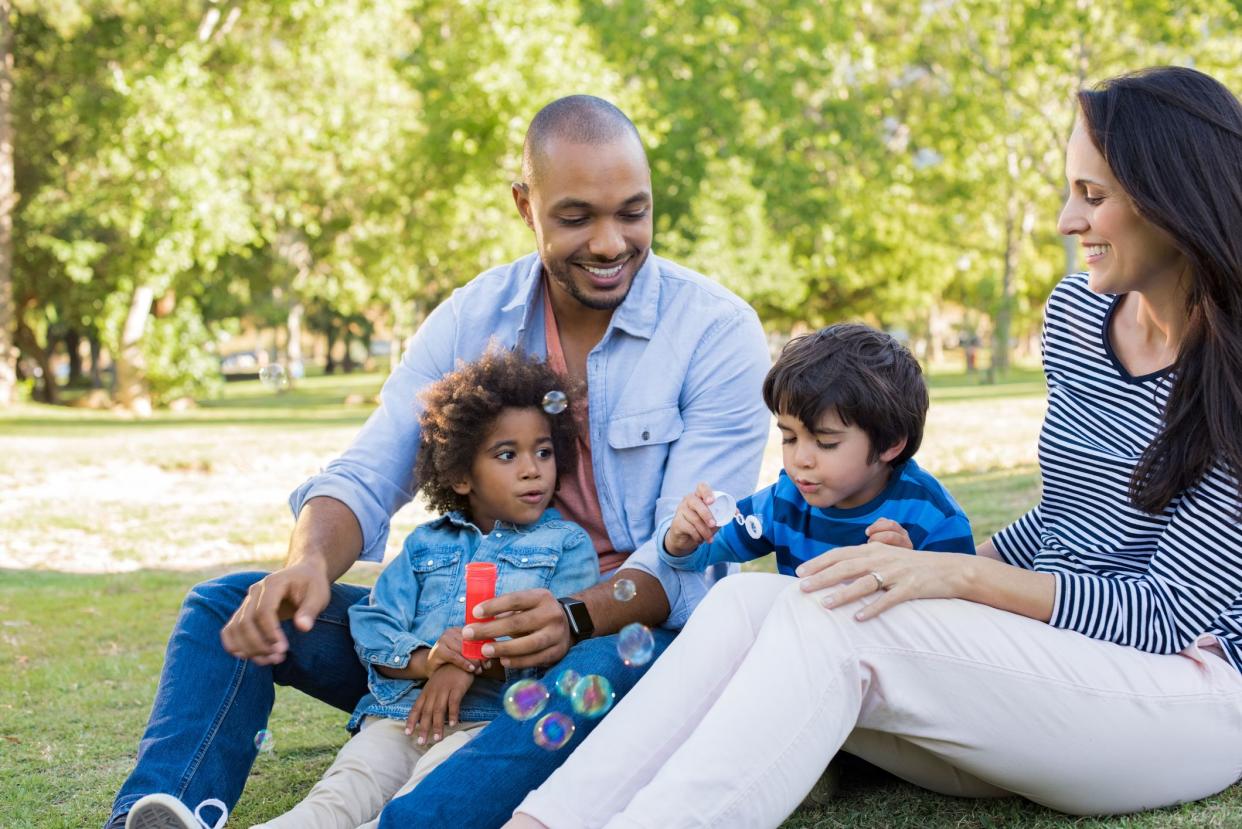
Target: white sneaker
x: 163, y: 811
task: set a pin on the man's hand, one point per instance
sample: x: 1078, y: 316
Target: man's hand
x: 887, y: 531
x: 300, y: 591
x: 693, y: 523
x: 439, y: 702
x: 447, y: 651
x: 535, y: 621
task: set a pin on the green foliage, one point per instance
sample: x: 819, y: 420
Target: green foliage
x: 851, y: 158
x: 179, y: 359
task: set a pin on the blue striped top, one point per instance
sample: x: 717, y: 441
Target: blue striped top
x: 797, y: 531
x: 1153, y: 582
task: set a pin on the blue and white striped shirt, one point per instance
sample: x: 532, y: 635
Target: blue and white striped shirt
x: 1153, y: 582
x: 797, y: 531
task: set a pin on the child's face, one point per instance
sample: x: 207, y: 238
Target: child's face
x: 830, y: 466
x: 514, y: 470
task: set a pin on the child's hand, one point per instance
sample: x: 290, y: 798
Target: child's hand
x: 692, y: 523
x: 885, y: 531
x: 447, y: 651
x: 439, y: 702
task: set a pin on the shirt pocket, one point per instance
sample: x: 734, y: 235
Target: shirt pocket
x: 437, y: 570
x: 641, y: 444
x: 525, y: 568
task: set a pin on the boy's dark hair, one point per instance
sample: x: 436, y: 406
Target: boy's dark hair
x: 865, y: 375
x: 460, y: 409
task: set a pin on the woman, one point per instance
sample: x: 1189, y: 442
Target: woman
x: 1088, y: 659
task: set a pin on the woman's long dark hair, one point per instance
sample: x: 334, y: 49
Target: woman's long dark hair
x: 1173, y: 138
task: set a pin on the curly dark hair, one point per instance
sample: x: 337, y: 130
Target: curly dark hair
x: 461, y: 406
x: 865, y: 375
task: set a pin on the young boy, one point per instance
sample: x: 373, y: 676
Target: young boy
x: 489, y: 459
x: 850, y: 403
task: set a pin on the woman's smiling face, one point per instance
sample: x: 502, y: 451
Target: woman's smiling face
x: 1123, y: 251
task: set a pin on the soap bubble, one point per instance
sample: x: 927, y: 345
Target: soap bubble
x: 525, y: 698
x: 555, y: 401
x: 264, y: 741
x: 273, y: 376
x: 553, y: 731
x: 635, y: 644
x: 754, y: 526
x: 592, y: 696
x: 722, y: 508
x: 566, y: 681
x: 623, y: 590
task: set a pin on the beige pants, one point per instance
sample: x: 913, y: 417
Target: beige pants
x: 736, y: 721
x: 378, y: 764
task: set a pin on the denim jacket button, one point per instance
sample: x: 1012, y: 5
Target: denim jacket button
x: 646, y: 435
x: 461, y: 598
x: 396, y: 659
x: 430, y: 562
x: 525, y: 559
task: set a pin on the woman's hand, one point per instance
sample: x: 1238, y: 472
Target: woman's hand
x: 896, y: 573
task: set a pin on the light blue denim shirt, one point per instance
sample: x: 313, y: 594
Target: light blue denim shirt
x: 422, y: 593
x: 675, y: 398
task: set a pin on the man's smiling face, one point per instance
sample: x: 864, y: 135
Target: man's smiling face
x: 590, y: 208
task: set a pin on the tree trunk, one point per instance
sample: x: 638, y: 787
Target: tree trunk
x: 8, y: 199
x: 96, y: 377
x: 329, y: 363
x: 46, y: 391
x: 293, y: 344
x: 73, y: 345
x: 131, y: 383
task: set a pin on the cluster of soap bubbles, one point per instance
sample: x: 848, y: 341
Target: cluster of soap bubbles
x: 274, y: 376
x: 590, y: 696
x: 264, y: 741
x: 555, y: 402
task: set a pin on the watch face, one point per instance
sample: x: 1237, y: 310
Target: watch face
x: 579, y: 618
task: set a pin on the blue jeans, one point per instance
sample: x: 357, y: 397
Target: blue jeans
x: 482, y: 783
x: 199, y: 741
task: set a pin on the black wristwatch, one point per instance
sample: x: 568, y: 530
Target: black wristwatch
x: 579, y: 618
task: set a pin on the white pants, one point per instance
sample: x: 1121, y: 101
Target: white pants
x: 734, y: 724
x: 378, y: 763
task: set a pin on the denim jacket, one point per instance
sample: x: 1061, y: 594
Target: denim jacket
x: 422, y: 592
x: 675, y: 398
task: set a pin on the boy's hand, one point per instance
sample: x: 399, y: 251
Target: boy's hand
x: 885, y: 531
x: 447, y: 651
x: 692, y: 523
x: 439, y: 702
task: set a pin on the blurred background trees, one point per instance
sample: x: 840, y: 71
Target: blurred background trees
x: 186, y: 176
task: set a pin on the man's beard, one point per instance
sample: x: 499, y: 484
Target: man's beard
x: 563, y: 277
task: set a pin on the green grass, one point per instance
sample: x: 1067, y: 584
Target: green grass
x: 184, y: 496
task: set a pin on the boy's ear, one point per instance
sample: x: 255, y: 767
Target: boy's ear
x: 891, y: 452
x: 462, y: 487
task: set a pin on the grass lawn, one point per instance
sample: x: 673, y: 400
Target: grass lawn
x: 106, y: 522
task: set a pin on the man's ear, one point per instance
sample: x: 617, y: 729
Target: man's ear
x: 521, y: 198
x: 462, y: 487
x: 893, y: 451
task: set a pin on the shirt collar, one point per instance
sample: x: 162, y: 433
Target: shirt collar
x: 636, y: 315
x: 458, y: 519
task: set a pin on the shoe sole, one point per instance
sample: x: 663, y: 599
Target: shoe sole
x: 154, y: 816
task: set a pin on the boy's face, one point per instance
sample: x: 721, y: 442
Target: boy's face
x: 830, y: 465
x: 514, y: 472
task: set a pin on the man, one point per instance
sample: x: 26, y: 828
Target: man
x: 673, y: 365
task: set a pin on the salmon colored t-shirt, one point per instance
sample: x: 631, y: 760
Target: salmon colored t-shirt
x: 576, y: 498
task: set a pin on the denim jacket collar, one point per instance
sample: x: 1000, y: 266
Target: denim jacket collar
x: 457, y: 518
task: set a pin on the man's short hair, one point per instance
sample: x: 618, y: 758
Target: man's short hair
x: 579, y: 119
x: 864, y: 375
